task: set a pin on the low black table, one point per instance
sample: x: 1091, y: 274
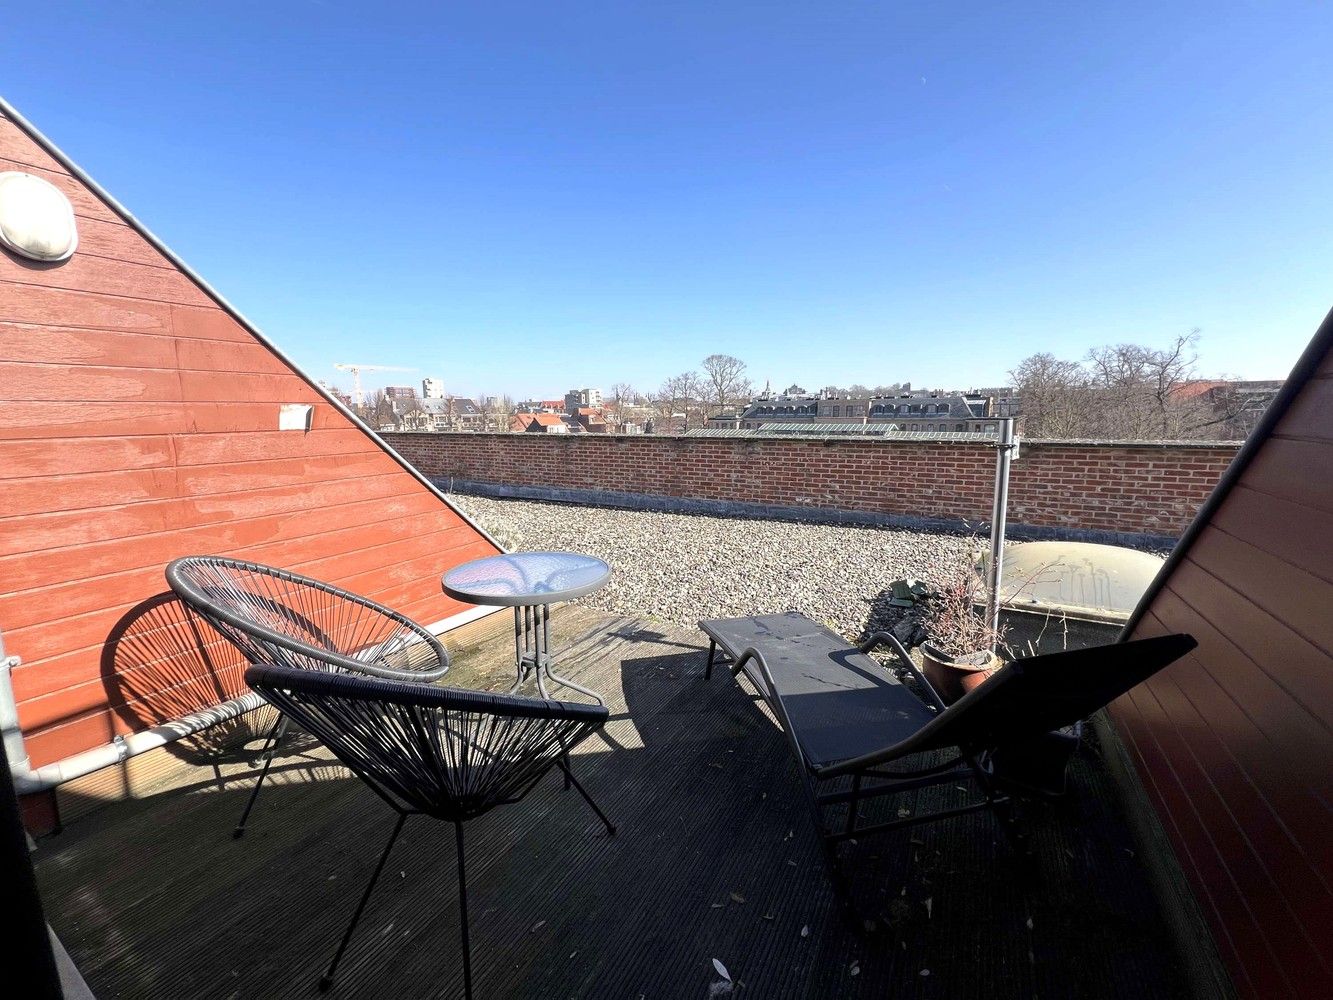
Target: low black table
x: 530, y: 582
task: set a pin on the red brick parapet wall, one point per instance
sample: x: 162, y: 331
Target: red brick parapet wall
x: 1058, y: 488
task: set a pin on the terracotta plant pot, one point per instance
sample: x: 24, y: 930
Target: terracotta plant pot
x: 955, y: 676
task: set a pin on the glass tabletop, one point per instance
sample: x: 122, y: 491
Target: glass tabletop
x: 521, y: 578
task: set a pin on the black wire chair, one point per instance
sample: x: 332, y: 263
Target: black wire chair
x: 435, y: 751
x: 273, y: 616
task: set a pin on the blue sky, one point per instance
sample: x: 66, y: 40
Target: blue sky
x: 526, y: 197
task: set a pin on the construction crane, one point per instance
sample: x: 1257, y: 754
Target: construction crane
x: 356, y: 371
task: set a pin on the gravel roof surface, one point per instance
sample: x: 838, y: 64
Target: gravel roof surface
x: 684, y: 567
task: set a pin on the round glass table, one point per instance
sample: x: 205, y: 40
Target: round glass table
x: 530, y: 582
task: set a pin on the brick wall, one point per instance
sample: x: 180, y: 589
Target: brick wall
x: 1062, y: 488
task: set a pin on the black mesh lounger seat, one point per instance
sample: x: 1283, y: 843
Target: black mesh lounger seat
x: 436, y: 751
x: 273, y: 616
x: 847, y: 716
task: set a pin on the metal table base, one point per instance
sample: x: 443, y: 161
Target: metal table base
x: 532, y: 652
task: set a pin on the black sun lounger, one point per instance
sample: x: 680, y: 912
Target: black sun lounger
x: 847, y: 716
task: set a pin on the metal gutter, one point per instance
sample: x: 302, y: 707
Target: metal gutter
x: 36, y: 135
x: 1301, y: 372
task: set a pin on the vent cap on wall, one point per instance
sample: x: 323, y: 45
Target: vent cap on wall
x: 36, y: 219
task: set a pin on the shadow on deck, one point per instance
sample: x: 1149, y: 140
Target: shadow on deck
x: 716, y: 858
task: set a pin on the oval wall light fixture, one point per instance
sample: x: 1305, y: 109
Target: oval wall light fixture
x: 36, y: 219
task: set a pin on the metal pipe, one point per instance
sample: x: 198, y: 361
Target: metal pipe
x: 999, y: 512
x: 28, y: 780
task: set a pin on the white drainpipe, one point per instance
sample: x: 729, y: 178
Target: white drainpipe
x: 28, y: 779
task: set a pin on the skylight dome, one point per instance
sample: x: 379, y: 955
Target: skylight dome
x: 36, y: 220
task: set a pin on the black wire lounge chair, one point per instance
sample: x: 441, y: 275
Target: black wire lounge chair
x: 436, y: 751
x: 847, y: 717
x: 273, y: 616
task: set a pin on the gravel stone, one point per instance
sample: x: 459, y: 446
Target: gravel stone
x: 683, y: 567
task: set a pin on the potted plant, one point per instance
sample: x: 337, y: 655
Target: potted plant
x: 960, y: 648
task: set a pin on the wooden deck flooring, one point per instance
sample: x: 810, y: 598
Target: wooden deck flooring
x: 716, y: 858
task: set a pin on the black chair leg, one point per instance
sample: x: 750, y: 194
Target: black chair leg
x: 326, y: 980
x: 571, y: 780
x: 275, y: 735
x: 712, y: 651
x: 462, y: 912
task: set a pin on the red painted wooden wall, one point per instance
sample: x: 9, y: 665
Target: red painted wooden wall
x: 140, y: 424
x: 1235, y: 742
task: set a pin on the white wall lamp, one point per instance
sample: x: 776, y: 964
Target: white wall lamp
x: 36, y: 219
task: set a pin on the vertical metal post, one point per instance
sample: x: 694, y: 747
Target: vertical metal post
x: 1004, y: 448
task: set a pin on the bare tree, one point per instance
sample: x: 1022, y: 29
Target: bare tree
x: 678, y: 401
x: 622, y: 395
x: 724, y: 380
x: 1054, y: 396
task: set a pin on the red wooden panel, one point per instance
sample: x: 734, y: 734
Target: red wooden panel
x: 60, y: 307
x: 62, y: 528
x: 228, y: 356
x: 371, y: 520
x: 209, y: 323
x: 142, y: 426
x: 212, y: 449
x: 72, y: 346
x: 117, y: 241
x: 16, y: 146
x: 224, y: 386
x: 1308, y: 414
x: 86, y: 204
x: 1294, y: 470
x: 25, y: 382
x: 72, y: 456
x: 96, y: 489
x: 1177, y: 778
x: 1263, y: 521
x: 106, y: 277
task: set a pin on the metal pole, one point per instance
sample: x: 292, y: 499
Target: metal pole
x: 1003, y: 451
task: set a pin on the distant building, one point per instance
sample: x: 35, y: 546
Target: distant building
x: 538, y: 423
x: 400, y: 392
x: 453, y: 413
x: 432, y: 388
x: 541, y: 406
x: 582, y: 397
x: 1237, y: 405
x: 921, y: 410
x: 588, y: 419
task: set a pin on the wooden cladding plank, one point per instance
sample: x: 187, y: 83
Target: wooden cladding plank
x: 211, y: 449
x: 1291, y: 596
x: 1273, y: 789
x: 1308, y: 415
x: 62, y: 419
x: 24, y: 497
x: 117, y: 241
x: 215, y: 386
x: 93, y: 564
x: 86, y: 204
x: 39, y: 533
x: 76, y: 456
x: 1285, y: 681
x: 78, y: 347
x: 1294, y: 470
x: 106, y: 277
x: 26, y: 382
x: 1176, y: 776
x: 62, y: 307
x: 1268, y: 523
x: 209, y: 322
x: 229, y: 356
x: 17, y: 147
